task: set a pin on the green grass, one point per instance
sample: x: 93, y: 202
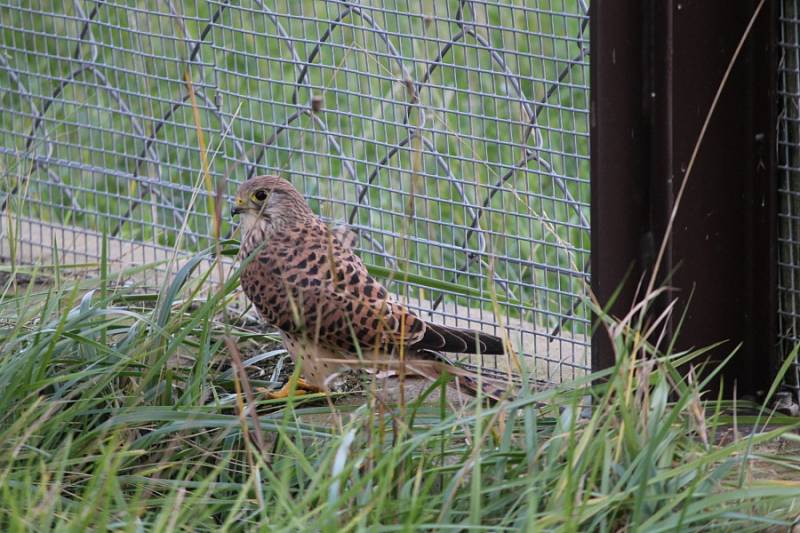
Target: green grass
x: 120, y: 411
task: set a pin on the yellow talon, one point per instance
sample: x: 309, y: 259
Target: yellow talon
x: 303, y: 387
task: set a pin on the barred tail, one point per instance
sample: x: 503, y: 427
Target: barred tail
x: 465, y: 381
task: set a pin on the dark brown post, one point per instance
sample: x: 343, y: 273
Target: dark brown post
x: 620, y: 151
x: 656, y: 66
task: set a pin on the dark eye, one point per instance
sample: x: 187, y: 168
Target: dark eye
x: 260, y: 195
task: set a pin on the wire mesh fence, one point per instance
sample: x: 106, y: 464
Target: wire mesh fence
x: 452, y: 137
x: 789, y: 186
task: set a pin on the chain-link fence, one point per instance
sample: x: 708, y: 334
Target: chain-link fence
x: 453, y: 138
x: 789, y: 186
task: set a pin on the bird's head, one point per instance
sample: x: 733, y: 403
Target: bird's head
x: 268, y: 201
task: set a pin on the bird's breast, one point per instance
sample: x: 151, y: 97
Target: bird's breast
x: 264, y: 281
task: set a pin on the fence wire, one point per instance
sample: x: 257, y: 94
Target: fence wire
x: 789, y: 186
x: 452, y: 137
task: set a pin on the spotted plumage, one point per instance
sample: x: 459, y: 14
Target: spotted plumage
x: 306, y: 281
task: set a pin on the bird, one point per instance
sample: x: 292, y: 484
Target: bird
x: 307, y: 281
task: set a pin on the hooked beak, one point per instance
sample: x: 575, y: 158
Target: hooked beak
x: 237, y: 208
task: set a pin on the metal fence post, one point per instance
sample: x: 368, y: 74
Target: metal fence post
x: 656, y: 67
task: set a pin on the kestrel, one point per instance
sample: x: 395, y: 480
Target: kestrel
x: 332, y: 314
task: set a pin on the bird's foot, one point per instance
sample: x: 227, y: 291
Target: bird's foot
x: 302, y: 387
